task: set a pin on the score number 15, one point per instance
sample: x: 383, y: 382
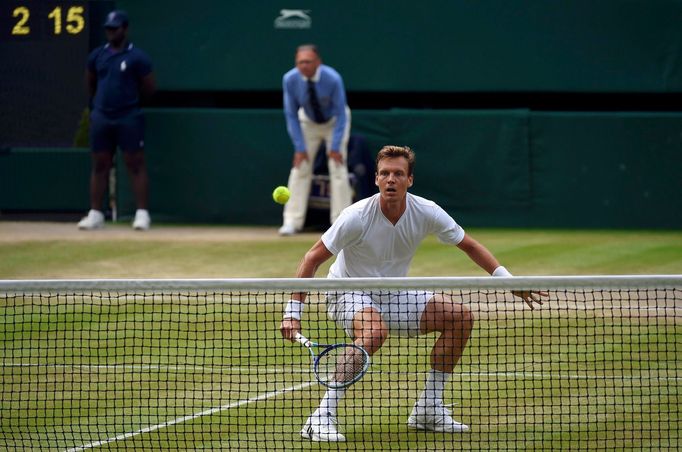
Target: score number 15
x: 75, y: 23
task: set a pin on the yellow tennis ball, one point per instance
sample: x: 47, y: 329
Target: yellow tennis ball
x: 281, y: 195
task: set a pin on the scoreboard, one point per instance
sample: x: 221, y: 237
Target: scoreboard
x: 44, y: 46
x: 41, y: 20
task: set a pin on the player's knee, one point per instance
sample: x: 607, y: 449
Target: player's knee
x: 461, y: 318
x: 380, y: 333
x: 467, y: 317
x: 373, y: 336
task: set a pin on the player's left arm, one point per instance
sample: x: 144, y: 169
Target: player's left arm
x: 485, y: 259
x: 478, y: 253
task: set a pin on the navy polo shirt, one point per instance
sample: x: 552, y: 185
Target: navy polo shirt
x: 119, y: 75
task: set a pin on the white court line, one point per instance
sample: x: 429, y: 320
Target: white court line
x: 546, y: 375
x: 514, y: 374
x: 298, y: 370
x: 190, y: 417
x: 161, y: 367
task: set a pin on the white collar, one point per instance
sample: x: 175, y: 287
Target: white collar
x: 315, y: 78
x: 128, y: 47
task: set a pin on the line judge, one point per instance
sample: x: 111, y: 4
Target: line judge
x: 316, y: 111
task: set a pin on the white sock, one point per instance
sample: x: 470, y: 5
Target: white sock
x: 433, y: 389
x: 330, y: 401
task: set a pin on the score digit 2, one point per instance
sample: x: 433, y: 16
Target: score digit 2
x: 55, y: 19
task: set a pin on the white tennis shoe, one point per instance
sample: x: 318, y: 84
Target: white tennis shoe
x: 321, y: 427
x: 287, y: 230
x: 142, y: 220
x: 93, y: 220
x: 435, y: 418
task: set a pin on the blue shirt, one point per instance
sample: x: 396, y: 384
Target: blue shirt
x: 119, y: 75
x: 332, y: 98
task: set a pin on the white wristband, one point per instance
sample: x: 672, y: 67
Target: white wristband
x: 293, y: 310
x: 501, y: 271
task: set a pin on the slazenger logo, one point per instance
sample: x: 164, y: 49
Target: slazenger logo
x: 294, y: 18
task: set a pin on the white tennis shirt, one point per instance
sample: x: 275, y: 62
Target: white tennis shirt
x: 367, y: 245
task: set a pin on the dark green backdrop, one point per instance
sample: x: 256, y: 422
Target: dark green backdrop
x: 492, y: 168
x: 405, y: 45
x: 486, y: 167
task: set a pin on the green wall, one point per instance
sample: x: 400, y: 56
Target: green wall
x: 46, y: 179
x: 213, y: 165
x: 494, y: 168
x: 433, y: 45
x: 487, y: 168
x: 618, y: 169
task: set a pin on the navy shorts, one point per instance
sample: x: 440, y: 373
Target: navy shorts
x: 126, y: 132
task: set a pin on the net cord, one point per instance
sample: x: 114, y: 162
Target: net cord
x: 328, y: 284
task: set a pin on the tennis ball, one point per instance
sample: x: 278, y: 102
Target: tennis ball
x: 281, y: 195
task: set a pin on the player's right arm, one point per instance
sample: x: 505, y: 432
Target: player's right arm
x: 316, y: 256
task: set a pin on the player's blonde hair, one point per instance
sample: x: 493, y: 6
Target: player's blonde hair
x: 392, y: 151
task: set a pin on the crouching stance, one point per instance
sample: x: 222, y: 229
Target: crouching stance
x: 378, y: 237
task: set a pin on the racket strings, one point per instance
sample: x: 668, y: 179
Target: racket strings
x: 341, y: 365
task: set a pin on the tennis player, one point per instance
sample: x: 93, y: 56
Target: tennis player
x: 378, y: 237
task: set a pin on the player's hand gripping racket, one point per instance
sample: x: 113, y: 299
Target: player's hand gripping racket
x: 338, y: 365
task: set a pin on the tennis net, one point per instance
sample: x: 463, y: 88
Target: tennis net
x: 201, y: 365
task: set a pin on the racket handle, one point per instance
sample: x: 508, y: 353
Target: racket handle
x: 302, y: 340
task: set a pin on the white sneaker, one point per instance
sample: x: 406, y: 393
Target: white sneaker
x: 286, y: 230
x: 321, y: 427
x: 435, y: 418
x: 93, y: 220
x: 142, y: 220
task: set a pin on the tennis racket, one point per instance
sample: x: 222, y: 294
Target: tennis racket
x: 336, y: 366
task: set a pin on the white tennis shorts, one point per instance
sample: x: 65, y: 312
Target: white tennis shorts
x: 401, y: 310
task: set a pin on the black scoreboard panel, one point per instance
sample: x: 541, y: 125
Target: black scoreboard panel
x: 43, y: 52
